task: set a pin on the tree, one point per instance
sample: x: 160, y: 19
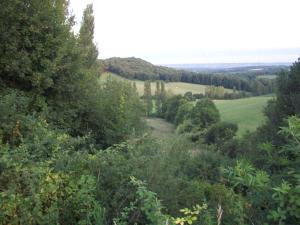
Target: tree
x: 258, y: 88
x: 163, y: 96
x: 163, y: 89
x: 205, y: 113
x: 198, y: 96
x: 34, y: 39
x: 220, y: 132
x: 158, y: 99
x: 171, y: 107
x: 208, y: 91
x: 287, y: 103
x: 288, y: 95
x: 134, y: 86
x: 188, y: 96
x: 183, y: 112
x: 220, y: 92
x: 148, y: 97
x: 86, y: 37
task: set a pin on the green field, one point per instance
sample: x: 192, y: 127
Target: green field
x: 246, y: 112
x: 173, y: 87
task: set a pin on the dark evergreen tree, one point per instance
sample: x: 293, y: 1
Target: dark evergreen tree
x: 34, y: 38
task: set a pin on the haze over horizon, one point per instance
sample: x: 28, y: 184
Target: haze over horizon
x: 192, y: 32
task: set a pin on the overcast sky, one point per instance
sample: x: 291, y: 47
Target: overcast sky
x: 196, y: 31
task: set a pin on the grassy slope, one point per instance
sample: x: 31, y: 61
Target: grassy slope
x: 174, y: 87
x: 246, y: 112
x: 160, y: 128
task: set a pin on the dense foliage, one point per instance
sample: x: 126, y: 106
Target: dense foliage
x: 266, y: 170
x: 76, y: 151
x: 52, y: 107
x: 42, y: 60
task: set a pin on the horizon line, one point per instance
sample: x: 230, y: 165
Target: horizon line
x: 214, y: 63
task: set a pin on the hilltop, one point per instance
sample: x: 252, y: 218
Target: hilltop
x: 136, y: 68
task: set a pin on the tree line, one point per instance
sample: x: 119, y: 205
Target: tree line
x: 134, y: 68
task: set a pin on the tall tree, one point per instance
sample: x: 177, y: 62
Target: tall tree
x: 134, y: 86
x: 163, y: 96
x: 158, y: 98
x: 286, y: 104
x: 86, y: 37
x: 148, y: 97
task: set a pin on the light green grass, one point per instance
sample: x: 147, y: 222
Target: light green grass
x: 246, y: 112
x: 173, y: 87
x: 160, y: 128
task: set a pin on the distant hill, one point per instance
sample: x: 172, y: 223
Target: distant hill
x: 135, y: 68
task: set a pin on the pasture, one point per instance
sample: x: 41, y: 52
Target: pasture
x: 172, y: 87
x: 246, y: 112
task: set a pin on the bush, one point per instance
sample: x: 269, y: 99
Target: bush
x: 205, y: 113
x: 185, y: 127
x: 220, y: 132
x: 205, y: 165
x: 33, y: 192
x: 188, y: 96
x: 198, y: 96
x: 231, y: 148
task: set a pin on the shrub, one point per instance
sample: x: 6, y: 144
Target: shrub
x: 205, y: 114
x: 184, y: 112
x: 231, y: 148
x: 220, y: 132
x: 185, y: 127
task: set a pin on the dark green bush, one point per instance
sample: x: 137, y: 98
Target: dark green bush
x: 220, y: 132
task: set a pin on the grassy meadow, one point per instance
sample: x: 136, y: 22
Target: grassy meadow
x: 173, y: 87
x: 160, y: 128
x: 246, y: 112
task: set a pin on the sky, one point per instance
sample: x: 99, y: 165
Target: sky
x: 196, y: 31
